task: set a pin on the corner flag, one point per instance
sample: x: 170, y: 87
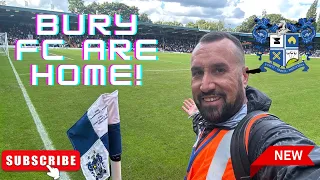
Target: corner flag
x: 96, y: 135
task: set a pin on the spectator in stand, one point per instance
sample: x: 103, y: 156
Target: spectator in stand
x: 172, y: 44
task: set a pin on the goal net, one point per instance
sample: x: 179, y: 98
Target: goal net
x: 4, y: 51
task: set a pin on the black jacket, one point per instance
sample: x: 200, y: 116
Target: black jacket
x: 277, y: 133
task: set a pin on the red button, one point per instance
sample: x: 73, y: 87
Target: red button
x: 37, y: 160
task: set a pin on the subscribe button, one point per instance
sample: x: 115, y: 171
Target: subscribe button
x: 38, y: 160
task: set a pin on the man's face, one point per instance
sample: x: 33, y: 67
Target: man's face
x: 218, y: 80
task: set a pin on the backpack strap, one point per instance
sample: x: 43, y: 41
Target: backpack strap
x: 239, y: 144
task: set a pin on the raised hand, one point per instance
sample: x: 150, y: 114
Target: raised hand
x: 189, y: 107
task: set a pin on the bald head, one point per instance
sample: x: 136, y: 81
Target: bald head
x: 233, y: 44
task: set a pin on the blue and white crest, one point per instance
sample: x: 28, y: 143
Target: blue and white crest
x: 284, y: 39
x: 96, y: 166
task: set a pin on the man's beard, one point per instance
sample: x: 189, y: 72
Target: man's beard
x: 214, y: 114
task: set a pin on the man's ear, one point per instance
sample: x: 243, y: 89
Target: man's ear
x: 245, y: 77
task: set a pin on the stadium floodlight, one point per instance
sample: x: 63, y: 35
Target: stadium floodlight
x: 264, y: 13
x: 4, y: 44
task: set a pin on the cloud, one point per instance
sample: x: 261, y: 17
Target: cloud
x: 185, y: 19
x: 232, y: 12
x: 238, y: 13
x: 291, y: 9
x: 200, y: 13
x: 232, y: 22
x: 61, y: 5
x: 201, y: 3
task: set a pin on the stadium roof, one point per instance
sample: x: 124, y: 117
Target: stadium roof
x: 27, y: 15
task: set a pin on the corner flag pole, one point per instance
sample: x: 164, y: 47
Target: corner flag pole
x: 115, y: 144
x: 116, y: 170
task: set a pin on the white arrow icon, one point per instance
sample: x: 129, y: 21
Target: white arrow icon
x: 54, y: 172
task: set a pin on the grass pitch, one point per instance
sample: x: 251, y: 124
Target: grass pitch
x: 156, y: 134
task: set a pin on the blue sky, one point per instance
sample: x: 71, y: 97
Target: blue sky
x: 232, y: 12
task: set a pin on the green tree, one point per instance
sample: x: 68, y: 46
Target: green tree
x: 170, y: 23
x: 221, y: 25
x: 93, y: 8
x: 276, y: 18
x: 175, y: 23
x: 104, y: 8
x: 206, y: 25
x: 201, y: 24
x: 191, y: 25
x: 247, y: 25
x: 76, y: 6
x: 318, y: 24
x: 144, y: 18
x: 312, y: 12
x: 118, y: 8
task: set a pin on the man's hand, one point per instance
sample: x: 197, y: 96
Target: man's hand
x: 190, y: 107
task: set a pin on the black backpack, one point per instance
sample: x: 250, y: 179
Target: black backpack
x: 239, y: 156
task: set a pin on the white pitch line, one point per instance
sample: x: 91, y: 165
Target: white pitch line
x: 61, y: 55
x: 166, y: 70
x: 177, y: 62
x: 41, y: 129
x: 150, y: 70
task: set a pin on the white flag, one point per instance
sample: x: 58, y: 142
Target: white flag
x: 96, y: 135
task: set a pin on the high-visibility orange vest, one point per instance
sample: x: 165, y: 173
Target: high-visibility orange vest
x: 212, y: 160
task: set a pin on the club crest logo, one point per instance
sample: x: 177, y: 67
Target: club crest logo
x: 289, y: 44
x: 96, y: 166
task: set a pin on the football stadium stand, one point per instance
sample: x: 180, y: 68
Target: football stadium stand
x: 19, y: 23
